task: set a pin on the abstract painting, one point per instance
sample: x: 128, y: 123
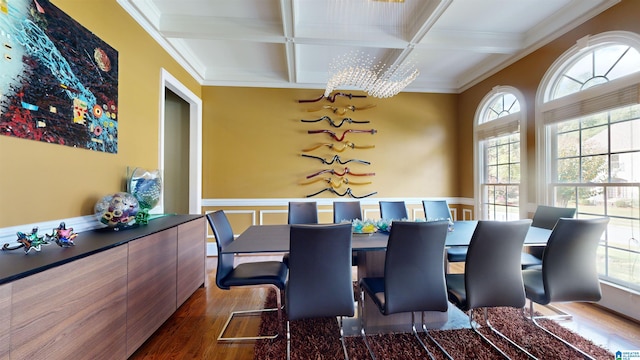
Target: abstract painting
x: 58, y: 81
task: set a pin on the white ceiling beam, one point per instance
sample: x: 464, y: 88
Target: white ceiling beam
x: 286, y: 8
x: 484, y: 42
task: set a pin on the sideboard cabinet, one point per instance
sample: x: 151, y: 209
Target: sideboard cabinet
x: 104, y: 303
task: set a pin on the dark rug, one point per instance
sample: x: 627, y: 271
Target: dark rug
x: 316, y: 339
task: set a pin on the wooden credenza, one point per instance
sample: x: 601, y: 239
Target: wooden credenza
x: 104, y: 297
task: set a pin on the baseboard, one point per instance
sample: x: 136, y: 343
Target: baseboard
x: 79, y: 224
x: 620, y: 300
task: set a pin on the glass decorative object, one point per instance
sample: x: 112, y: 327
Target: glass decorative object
x: 146, y: 187
x: 28, y: 241
x: 365, y: 226
x: 62, y: 236
x: 117, y: 211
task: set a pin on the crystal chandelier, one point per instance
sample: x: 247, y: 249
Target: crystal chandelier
x: 362, y: 71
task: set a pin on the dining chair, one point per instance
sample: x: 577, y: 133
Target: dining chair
x: 320, y: 283
x: 302, y: 212
x: 413, y: 278
x: 569, y: 268
x: 439, y: 210
x: 272, y: 274
x: 393, y: 210
x: 492, y: 276
x: 545, y: 217
x: 346, y: 211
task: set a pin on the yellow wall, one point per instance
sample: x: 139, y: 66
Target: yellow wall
x: 41, y: 182
x: 526, y: 75
x: 252, y: 141
x: 252, y: 137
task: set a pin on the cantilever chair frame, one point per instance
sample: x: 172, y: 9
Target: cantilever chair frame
x: 312, y: 246
x: 593, y: 241
x: 233, y: 314
x: 510, y: 243
x: 411, y: 245
x: 546, y: 217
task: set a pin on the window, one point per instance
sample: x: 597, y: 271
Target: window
x: 498, y: 142
x: 589, y: 127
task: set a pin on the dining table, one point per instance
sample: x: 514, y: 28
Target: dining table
x: 369, y: 248
x: 275, y: 238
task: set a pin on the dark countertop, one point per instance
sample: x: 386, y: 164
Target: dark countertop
x: 15, y: 264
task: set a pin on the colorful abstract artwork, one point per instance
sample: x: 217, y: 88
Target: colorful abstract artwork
x: 58, y: 81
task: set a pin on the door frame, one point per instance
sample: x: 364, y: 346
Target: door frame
x: 168, y: 81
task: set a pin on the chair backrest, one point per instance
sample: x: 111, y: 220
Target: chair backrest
x: 224, y: 236
x: 414, y: 267
x: 346, y: 210
x: 492, y: 273
x: 569, y: 269
x: 393, y: 210
x: 436, y: 210
x: 546, y: 217
x: 320, y: 283
x: 303, y: 212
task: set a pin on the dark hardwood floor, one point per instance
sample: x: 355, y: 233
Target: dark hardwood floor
x: 191, y: 333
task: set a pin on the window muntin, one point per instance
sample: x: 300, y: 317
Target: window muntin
x: 498, y: 143
x: 503, y: 104
x: 597, y: 66
x: 591, y: 158
x: 597, y: 170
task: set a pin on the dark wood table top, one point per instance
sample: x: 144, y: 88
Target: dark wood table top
x: 16, y: 264
x: 275, y: 238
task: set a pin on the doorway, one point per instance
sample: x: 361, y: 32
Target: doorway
x: 180, y: 147
x: 176, y: 154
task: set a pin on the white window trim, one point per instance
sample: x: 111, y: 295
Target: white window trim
x: 478, y: 162
x: 544, y: 104
x: 614, y: 297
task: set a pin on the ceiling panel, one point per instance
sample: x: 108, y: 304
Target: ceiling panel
x: 291, y: 43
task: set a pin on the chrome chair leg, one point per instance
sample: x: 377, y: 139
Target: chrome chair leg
x: 495, y: 331
x: 278, y: 308
x: 362, y: 332
x: 415, y: 333
x: 344, y: 347
x: 426, y: 331
x: 475, y: 329
x: 560, y: 315
x: 288, y: 341
x: 533, y: 319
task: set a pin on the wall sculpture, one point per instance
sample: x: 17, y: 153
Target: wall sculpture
x: 338, y: 181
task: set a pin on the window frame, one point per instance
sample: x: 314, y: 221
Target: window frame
x: 503, y: 126
x: 616, y: 93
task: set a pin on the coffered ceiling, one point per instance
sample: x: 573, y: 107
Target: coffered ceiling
x: 290, y: 43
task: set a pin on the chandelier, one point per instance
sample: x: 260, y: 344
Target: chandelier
x: 374, y: 77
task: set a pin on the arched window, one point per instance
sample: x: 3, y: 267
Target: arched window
x: 588, y: 130
x: 499, y: 169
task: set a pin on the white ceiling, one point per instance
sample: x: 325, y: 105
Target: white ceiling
x: 290, y: 43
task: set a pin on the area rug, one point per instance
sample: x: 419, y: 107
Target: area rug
x: 319, y: 339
